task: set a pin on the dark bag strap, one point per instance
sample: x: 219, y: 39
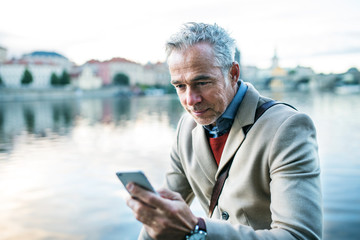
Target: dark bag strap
x: 225, y: 171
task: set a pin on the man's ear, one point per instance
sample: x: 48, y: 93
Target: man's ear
x: 234, y: 72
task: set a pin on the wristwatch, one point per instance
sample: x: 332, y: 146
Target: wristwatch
x: 199, y: 232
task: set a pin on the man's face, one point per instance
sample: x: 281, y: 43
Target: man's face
x: 202, y: 89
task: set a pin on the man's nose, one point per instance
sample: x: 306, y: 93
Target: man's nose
x: 192, y: 97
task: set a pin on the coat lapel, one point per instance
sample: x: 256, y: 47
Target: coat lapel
x: 235, y: 138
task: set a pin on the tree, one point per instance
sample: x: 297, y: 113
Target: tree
x: 54, y: 80
x: 121, y: 79
x: 27, y: 77
x: 292, y: 72
x: 1, y: 82
x: 65, y: 78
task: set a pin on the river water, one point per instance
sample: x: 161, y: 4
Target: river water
x: 58, y: 161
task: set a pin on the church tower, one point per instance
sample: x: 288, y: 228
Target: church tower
x: 275, y: 60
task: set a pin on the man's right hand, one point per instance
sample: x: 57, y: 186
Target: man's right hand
x: 165, y: 216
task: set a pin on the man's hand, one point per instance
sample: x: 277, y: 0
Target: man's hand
x: 164, y: 217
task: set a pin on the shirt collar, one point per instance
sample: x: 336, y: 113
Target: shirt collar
x: 231, y: 110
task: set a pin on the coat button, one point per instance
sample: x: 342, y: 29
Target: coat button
x: 225, y: 215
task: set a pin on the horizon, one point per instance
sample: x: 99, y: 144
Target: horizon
x: 322, y: 35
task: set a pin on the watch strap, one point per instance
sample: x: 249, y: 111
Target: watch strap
x: 201, y: 224
x: 200, y: 228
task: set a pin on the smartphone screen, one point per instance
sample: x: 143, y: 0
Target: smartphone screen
x: 137, y: 177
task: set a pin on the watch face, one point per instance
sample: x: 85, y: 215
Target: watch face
x: 197, y: 236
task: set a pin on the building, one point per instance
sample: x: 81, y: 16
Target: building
x: 133, y: 70
x: 277, y: 78
x: 87, y: 79
x: 108, y: 69
x: 157, y: 74
x: 41, y: 65
x: 3, y: 53
x: 51, y: 58
x: 100, y: 69
x: 149, y: 74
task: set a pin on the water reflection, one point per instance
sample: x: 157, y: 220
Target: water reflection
x: 63, y: 115
x: 41, y: 118
x: 58, y: 159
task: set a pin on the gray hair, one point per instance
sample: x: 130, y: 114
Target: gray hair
x: 193, y: 33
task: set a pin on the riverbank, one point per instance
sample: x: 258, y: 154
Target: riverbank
x: 27, y: 94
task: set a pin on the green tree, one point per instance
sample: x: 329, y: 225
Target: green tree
x: 292, y: 72
x: 27, y: 77
x: 1, y: 82
x: 121, y: 79
x: 65, y: 78
x: 54, y: 80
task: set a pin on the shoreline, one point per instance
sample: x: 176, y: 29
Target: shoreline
x: 26, y: 94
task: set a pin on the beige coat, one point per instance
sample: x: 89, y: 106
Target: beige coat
x: 273, y: 188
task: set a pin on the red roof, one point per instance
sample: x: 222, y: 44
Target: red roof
x: 93, y: 61
x: 113, y: 60
x: 119, y: 59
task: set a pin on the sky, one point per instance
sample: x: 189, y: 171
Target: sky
x: 322, y: 34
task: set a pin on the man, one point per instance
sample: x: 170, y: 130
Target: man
x: 273, y: 188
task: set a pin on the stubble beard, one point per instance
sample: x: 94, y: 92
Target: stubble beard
x: 206, y: 120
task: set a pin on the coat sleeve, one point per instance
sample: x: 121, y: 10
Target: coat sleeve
x: 296, y: 202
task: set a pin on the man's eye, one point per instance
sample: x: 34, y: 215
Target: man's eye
x: 202, y: 83
x: 180, y: 86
